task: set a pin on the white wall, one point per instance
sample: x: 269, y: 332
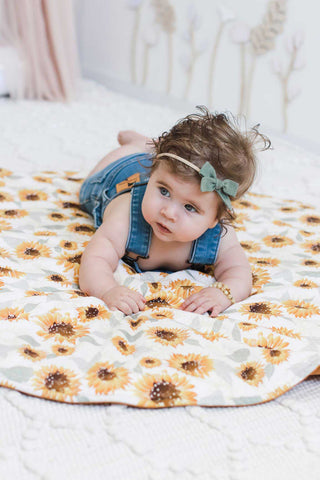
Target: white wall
x: 107, y: 35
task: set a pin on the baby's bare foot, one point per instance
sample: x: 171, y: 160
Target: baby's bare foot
x: 130, y: 136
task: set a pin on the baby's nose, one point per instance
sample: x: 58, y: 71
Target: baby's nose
x: 169, y: 212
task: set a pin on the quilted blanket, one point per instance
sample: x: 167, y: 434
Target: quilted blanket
x: 57, y: 343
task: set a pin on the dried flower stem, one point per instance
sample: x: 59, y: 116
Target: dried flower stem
x: 242, y: 78
x: 213, y: 62
x: 284, y: 83
x: 170, y: 61
x: 134, y: 43
x: 145, y: 63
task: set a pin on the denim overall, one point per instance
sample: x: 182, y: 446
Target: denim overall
x: 130, y: 173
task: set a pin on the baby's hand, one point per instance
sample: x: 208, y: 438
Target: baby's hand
x: 124, y: 299
x: 207, y: 300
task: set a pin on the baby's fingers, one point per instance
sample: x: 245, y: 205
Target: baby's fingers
x: 216, y: 310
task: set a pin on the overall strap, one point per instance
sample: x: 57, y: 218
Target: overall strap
x: 139, y: 237
x: 205, y: 248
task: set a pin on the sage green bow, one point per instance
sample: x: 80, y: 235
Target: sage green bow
x: 210, y: 183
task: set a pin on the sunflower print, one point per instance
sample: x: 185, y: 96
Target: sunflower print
x: 68, y: 245
x: 32, y: 250
x: 56, y: 383
x: 4, y: 253
x: 70, y: 261
x: 82, y: 229
x: 238, y: 204
x: 13, y: 213
x: 168, y: 336
x: 264, y: 261
x: 4, y: 172
x: 4, y: 226
x: 62, y: 350
x: 312, y: 247
x: 277, y: 241
x: 251, y: 373
x: 13, y: 314
x: 277, y: 392
x: 105, y: 378
x: 57, y: 217
x: 155, y: 287
x: 93, y: 312
x: 301, y: 309
x: 150, y: 362
x: 42, y: 179
x: 161, y: 313
x: 135, y: 323
x: 192, y: 364
x: 310, y: 263
x: 259, y: 278
x: 211, y: 336
x: 5, y: 197
x: 31, y: 353
x: 260, y: 310
x: 58, y: 278
x: 156, y: 391
x: 250, y: 246
x: 305, y: 283
x: 305, y: 233
x: 34, y: 293
x: 184, y: 288
x: 45, y: 233
x: 246, y: 326
x: 162, y: 299
x: 311, y: 220
x: 274, y: 348
x: 123, y: 346
x: 30, y: 195
x: 60, y: 327
x: 286, y: 332
x: 9, y: 272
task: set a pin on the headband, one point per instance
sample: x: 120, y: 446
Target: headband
x: 210, y: 182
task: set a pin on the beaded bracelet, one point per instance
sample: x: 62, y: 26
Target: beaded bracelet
x: 224, y: 289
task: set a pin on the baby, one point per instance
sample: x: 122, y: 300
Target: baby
x: 165, y: 204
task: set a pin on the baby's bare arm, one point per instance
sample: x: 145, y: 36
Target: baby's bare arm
x: 100, y: 260
x: 231, y: 268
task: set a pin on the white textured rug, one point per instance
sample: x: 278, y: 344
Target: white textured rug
x: 46, y: 440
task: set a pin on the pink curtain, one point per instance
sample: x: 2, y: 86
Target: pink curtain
x: 43, y: 34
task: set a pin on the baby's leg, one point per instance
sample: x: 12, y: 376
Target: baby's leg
x: 131, y: 142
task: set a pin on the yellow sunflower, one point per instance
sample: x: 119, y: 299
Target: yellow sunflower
x: 310, y: 219
x: 58, y: 278
x: 32, y: 195
x: 305, y: 233
x: 163, y: 299
x: 93, y: 312
x: 57, y: 217
x: 34, y: 293
x: 8, y: 272
x: 135, y: 323
x: 192, y: 364
x: 288, y: 209
x: 259, y: 278
x: 123, y: 346
x: 184, y: 288
x: 6, y: 384
x: 67, y: 205
x: 305, y: 283
x: 250, y: 246
x: 56, y: 383
x: 105, y: 378
x: 277, y: 241
x: 77, y: 293
x: 168, y: 336
x: 260, y: 310
x: 128, y: 269
x: 251, y: 372
x: 211, y: 336
x: 70, y: 261
x: 12, y: 314
x: 63, y: 192
x: 32, y: 353
x: 83, y: 229
x: 154, y: 287
x: 310, y: 263
x: 286, y: 332
x: 13, y: 213
x: 2, y: 284
x: 62, y: 350
x: 6, y: 197
x: 4, y: 172
x: 275, y: 350
x: 245, y: 326
x: 268, y: 262
x: 161, y: 313
x: 312, y: 247
x: 277, y: 392
x: 237, y: 204
x: 241, y: 218
x: 164, y: 390
x: 301, y: 309
x: 60, y: 327
x: 150, y: 362
x: 32, y: 250
x: 39, y: 178
x: 279, y: 223
x: 68, y: 245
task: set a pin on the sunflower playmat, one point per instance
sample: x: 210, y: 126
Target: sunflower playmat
x: 59, y: 344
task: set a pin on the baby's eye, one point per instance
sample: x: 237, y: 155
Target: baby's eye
x: 164, y: 191
x: 190, y: 208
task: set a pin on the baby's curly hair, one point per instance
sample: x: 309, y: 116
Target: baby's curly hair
x: 215, y: 138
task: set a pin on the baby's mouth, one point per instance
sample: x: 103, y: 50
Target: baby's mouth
x: 163, y: 228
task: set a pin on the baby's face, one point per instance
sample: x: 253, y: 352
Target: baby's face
x: 176, y: 209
